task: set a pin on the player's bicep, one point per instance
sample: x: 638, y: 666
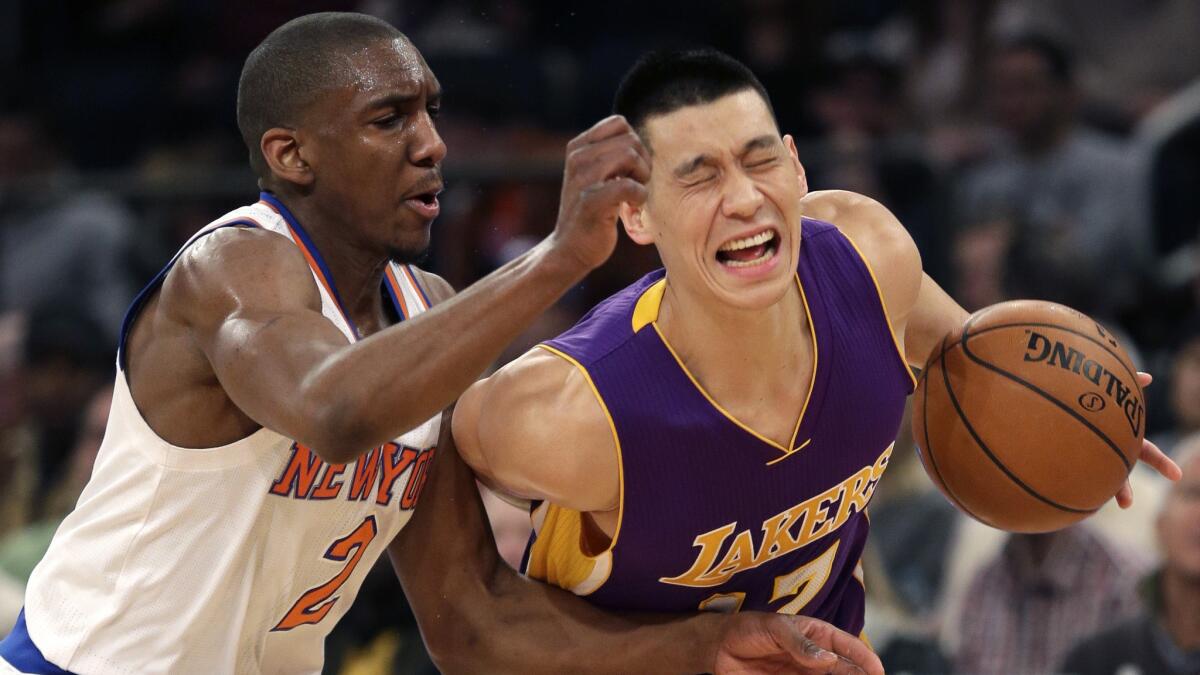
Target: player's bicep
x: 252, y: 307
x: 934, y: 315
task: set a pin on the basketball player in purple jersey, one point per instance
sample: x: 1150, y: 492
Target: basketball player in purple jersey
x: 279, y: 390
x: 710, y: 437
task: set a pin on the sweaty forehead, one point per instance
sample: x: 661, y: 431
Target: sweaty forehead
x: 385, y: 67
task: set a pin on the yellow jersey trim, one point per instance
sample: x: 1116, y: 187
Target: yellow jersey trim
x: 812, y: 380
x: 577, y: 571
x: 887, y: 316
x: 790, y: 453
x: 646, y: 310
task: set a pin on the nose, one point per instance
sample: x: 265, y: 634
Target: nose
x: 427, y: 148
x: 742, y: 198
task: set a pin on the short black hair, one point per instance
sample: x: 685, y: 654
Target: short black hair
x: 1053, y: 53
x: 662, y: 82
x: 293, y: 65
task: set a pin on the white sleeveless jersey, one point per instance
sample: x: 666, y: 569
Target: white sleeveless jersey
x: 236, y: 559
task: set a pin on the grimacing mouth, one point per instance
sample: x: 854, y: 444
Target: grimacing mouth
x: 750, y: 249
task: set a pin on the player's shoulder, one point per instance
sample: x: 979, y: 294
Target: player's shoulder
x: 877, y: 234
x: 540, y: 380
x: 612, y: 324
x: 232, y: 265
x: 538, y: 430
x: 438, y: 289
x: 542, y: 399
x: 858, y: 216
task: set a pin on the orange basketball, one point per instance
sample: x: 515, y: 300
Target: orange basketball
x: 1029, y: 417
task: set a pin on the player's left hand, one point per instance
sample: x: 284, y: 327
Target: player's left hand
x: 780, y: 643
x: 1151, y: 455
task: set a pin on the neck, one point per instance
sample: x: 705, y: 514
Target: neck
x: 1181, y: 598
x: 357, y: 270
x: 736, y: 350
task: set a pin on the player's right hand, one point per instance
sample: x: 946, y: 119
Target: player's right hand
x: 605, y: 166
x: 757, y: 642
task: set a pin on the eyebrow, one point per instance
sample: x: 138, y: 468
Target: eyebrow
x: 764, y: 141
x: 758, y: 143
x: 401, y: 100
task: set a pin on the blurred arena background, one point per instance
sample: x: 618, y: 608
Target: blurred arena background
x: 1034, y: 148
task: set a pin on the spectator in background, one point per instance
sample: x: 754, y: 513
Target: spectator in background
x: 1183, y: 386
x: 17, y: 458
x: 1165, y: 638
x: 871, y: 146
x: 66, y: 361
x: 1170, y: 141
x: 1043, y: 592
x: 21, y: 550
x: 1132, y: 53
x: 58, y: 246
x: 22, y: 547
x: 1074, y: 196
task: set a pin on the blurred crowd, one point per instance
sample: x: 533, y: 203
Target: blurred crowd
x: 1033, y: 148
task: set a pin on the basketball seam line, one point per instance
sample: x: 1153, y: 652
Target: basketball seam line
x: 1128, y: 370
x: 929, y: 446
x: 1032, y: 387
x: 987, y: 451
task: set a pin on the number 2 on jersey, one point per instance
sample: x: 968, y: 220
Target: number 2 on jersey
x: 316, y: 603
x: 804, y: 582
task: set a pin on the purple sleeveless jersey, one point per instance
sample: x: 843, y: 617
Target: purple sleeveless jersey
x: 714, y: 516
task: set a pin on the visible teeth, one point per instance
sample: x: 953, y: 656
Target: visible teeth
x: 766, y: 255
x: 738, y: 244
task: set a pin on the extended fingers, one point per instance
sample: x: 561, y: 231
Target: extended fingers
x: 848, y: 647
x: 1159, y: 461
x: 615, y: 156
x: 1125, y: 496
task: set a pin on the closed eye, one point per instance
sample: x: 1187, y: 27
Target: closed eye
x: 387, y: 121
x: 700, y: 181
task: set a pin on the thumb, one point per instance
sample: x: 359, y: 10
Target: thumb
x: 802, y: 650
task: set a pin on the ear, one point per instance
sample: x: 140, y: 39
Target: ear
x: 634, y: 221
x: 790, y: 143
x: 281, y: 148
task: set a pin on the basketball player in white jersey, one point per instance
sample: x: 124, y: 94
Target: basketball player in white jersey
x: 278, y: 405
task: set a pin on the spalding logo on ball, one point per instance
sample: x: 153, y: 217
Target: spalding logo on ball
x: 1029, y: 417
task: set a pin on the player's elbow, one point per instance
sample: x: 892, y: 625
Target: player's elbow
x: 454, y: 651
x: 460, y: 638
x: 331, y: 429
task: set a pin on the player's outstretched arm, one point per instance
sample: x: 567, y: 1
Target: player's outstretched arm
x: 260, y: 327
x: 477, y: 615
x: 920, y: 311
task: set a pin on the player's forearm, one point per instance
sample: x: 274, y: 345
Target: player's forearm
x: 548, y: 630
x: 394, y: 380
x: 477, y: 615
